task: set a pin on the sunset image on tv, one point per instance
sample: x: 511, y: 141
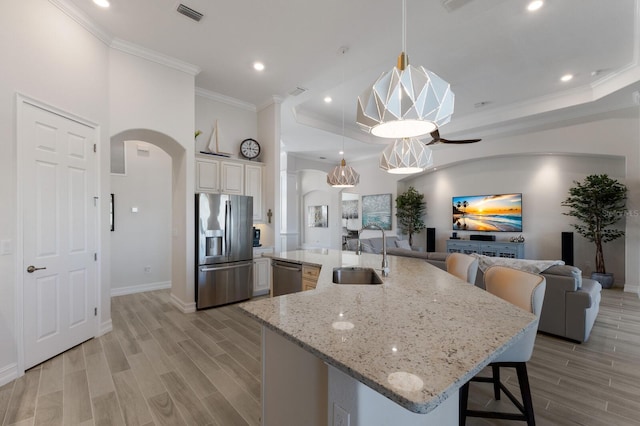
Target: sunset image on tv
x: 497, y: 213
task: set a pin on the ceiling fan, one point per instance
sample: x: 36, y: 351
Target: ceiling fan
x: 437, y: 139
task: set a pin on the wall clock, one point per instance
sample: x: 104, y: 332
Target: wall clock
x: 250, y: 148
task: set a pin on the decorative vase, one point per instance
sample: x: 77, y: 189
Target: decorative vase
x: 605, y: 279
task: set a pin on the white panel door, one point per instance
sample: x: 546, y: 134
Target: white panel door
x: 59, y: 221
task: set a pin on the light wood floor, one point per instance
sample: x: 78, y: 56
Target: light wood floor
x: 162, y: 367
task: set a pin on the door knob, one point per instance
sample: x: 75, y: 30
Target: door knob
x: 31, y: 269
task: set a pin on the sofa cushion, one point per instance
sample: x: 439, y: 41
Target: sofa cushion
x: 407, y: 253
x: 376, y: 243
x: 403, y: 244
x: 566, y: 271
x: 366, y: 246
x: 438, y: 255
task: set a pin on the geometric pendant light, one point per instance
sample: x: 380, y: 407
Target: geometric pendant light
x: 343, y: 176
x: 406, y: 101
x: 406, y: 156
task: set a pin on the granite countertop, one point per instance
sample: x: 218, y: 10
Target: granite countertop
x: 416, y: 338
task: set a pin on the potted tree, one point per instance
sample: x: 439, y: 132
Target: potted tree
x: 410, y: 209
x: 598, y: 203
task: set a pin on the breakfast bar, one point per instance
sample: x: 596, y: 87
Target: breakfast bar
x: 391, y: 353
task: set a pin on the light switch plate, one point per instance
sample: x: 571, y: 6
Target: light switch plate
x: 6, y: 248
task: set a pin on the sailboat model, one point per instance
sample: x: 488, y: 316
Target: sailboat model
x: 212, y: 145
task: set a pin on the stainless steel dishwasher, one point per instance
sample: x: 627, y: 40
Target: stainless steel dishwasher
x: 287, y: 277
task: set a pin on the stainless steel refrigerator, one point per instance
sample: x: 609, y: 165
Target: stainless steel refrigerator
x: 224, y: 249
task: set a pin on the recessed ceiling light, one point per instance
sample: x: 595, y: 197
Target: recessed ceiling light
x: 534, y: 5
x: 566, y: 77
x: 328, y: 99
x: 258, y: 66
x: 102, y: 3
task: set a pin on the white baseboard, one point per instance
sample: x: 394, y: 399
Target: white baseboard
x: 185, y: 308
x: 8, y: 373
x: 105, y: 327
x: 628, y: 288
x: 121, y: 291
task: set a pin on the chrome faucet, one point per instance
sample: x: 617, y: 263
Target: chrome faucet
x: 358, y: 246
x: 385, y: 262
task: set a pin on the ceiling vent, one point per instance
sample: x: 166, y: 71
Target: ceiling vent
x: 189, y: 13
x: 297, y: 91
x: 451, y: 5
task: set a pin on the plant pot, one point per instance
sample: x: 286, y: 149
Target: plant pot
x: 606, y: 280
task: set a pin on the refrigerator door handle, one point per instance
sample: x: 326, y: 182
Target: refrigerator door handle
x: 226, y: 228
x: 288, y: 268
x: 221, y: 268
x: 229, y: 226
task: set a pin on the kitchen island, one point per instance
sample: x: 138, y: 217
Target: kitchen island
x: 394, y: 353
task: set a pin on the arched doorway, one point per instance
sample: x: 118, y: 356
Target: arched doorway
x: 182, y: 252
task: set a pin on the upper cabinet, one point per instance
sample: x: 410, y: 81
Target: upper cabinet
x: 230, y: 176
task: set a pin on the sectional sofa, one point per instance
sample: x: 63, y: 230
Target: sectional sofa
x: 571, y: 302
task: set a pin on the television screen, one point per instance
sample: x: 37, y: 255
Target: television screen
x: 492, y: 213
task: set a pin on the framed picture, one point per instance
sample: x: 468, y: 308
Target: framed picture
x: 349, y: 209
x: 376, y: 209
x: 318, y: 217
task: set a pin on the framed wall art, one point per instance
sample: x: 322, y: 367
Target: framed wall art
x: 376, y: 209
x: 318, y: 217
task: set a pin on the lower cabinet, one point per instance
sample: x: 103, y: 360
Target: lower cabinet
x: 261, y: 276
x: 487, y: 248
x: 309, y: 277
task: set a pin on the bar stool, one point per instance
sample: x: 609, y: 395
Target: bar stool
x: 462, y: 266
x: 526, y: 291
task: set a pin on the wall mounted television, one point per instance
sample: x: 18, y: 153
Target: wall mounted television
x: 491, y: 213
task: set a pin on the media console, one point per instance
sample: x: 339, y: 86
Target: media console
x: 487, y: 248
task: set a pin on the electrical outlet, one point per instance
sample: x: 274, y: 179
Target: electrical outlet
x: 147, y: 269
x: 340, y: 416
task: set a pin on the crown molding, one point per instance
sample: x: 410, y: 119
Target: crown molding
x: 218, y: 97
x: 143, y: 52
x: 87, y: 23
x: 275, y: 100
x: 81, y: 18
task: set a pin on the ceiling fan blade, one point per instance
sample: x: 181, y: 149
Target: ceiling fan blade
x: 460, y: 141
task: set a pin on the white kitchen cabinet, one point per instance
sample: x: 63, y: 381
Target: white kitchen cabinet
x: 261, y: 271
x: 207, y: 176
x: 231, y: 178
x: 253, y: 187
x: 261, y: 275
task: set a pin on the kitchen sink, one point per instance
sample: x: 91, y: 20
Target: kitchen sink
x: 355, y: 275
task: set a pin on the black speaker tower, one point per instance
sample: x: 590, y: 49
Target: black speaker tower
x: 431, y: 239
x: 567, y: 248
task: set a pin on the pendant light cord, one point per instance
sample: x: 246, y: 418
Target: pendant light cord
x: 344, y: 51
x: 404, y: 26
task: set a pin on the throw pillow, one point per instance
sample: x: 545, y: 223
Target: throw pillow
x: 403, y: 244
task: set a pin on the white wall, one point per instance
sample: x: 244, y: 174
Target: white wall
x: 544, y: 181
x: 313, y: 182
x: 155, y: 103
x: 235, y: 124
x: 48, y: 57
x: 269, y: 138
x: 142, y: 240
